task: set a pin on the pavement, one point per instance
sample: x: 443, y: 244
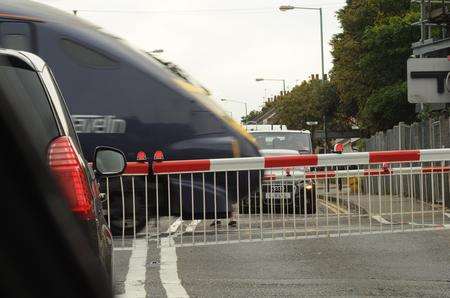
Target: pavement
x: 377, y: 264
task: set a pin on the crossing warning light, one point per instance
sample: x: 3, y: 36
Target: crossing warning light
x: 158, y: 156
x: 141, y: 156
x: 338, y: 148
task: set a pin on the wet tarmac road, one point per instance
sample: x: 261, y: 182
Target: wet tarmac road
x: 401, y: 264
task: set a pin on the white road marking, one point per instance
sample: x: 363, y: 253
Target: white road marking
x: 334, y: 207
x: 168, y: 271
x: 380, y: 219
x: 135, y: 279
x: 191, y: 227
x: 175, y: 225
x: 122, y: 248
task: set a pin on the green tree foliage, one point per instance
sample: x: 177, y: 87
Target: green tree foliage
x: 310, y: 101
x: 370, y: 58
x: 252, y: 115
x: 386, y: 107
x: 367, y: 81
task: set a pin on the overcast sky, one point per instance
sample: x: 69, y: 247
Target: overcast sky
x: 224, y: 44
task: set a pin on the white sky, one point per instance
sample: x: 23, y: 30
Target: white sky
x: 224, y: 44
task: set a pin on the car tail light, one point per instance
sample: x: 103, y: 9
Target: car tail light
x: 67, y: 169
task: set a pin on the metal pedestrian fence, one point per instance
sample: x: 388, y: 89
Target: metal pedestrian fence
x: 216, y: 201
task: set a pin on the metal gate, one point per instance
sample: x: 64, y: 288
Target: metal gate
x: 198, y: 202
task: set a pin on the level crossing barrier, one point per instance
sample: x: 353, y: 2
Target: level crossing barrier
x: 216, y: 201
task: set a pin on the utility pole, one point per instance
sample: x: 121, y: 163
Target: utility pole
x: 319, y: 9
x: 321, y: 44
x: 325, y: 144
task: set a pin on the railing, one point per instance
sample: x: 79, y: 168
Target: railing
x: 197, y: 202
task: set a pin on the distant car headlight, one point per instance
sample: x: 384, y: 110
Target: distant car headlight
x: 309, y: 186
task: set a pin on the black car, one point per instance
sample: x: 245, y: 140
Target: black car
x: 44, y: 251
x: 27, y: 86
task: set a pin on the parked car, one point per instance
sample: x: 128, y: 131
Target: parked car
x: 28, y: 87
x: 282, y: 186
x: 120, y: 96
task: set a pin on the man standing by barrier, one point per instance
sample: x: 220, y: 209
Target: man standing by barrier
x: 338, y: 149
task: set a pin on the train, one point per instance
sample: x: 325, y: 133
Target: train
x: 122, y: 97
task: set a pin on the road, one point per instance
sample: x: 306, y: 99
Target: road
x: 400, y: 264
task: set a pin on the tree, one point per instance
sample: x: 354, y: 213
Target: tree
x: 252, y: 115
x: 386, y: 107
x: 310, y: 101
x: 370, y: 55
x: 369, y: 71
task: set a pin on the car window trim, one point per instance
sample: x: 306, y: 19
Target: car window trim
x: 59, y: 124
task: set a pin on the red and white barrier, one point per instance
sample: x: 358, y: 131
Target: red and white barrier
x: 136, y: 168
x: 318, y: 160
x: 307, y: 196
x: 374, y: 172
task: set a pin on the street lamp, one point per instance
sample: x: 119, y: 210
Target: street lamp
x: 319, y: 9
x: 237, y: 101
x: 276, y: 80
x: 157, y: 51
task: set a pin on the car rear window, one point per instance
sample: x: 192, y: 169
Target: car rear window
x: 21, y: 87
x: 283, y: 140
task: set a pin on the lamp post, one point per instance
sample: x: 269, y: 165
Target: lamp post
x: 312, y: 124
x: 237, y: 101
x: 157, y: 51
x: 319, y: 9
x: 276, y: 80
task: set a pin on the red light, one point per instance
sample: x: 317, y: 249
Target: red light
x: 141, y: 156
x: 66, y: 167
x: 385, y: 168
x: 338, y: 148
x: 158, y: 156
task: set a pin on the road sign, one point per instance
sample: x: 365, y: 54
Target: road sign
x: 319, y: 134
x: 428, y: 80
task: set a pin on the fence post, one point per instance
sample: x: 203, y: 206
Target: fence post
x: 445, y: 140
x: 427, y: 134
